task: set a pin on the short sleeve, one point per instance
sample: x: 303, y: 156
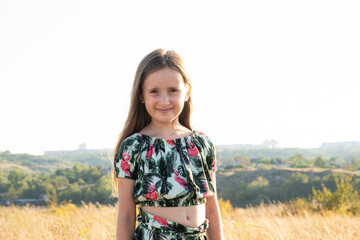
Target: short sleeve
x: 125, y: 160
x: 211, y: 157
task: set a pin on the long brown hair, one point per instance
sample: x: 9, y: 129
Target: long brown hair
x: 138, y: 118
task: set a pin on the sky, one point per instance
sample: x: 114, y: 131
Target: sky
x: 260, y: 70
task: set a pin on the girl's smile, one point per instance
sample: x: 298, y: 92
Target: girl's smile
x: 164, y: 110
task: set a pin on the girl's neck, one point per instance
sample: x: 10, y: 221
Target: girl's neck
x: 169, y: 131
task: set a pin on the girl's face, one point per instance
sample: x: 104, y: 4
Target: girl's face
x: 164, y: 94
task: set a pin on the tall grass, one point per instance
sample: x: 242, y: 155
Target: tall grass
x: 293, y: 221
x: 92, y: 222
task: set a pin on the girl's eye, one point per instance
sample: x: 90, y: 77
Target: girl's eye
x: 153, y: 91
x: 173, y: 90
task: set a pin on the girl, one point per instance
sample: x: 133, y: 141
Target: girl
x: 161, y: 163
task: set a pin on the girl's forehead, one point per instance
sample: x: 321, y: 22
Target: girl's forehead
x: 164, y: 78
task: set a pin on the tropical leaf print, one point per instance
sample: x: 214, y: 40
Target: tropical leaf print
x: 165, y: 184
x: 151, y: 164
x: 167, y: 172
x: 159, y: 146
x: 201, y: 182
x: 171, y: 159
x: 181, y: 170
x: 148, y: 180
x: 158, y: 235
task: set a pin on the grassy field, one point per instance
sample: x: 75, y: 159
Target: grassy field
x: 98, y: 222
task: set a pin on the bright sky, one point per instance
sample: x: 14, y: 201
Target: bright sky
x: 283, y: 70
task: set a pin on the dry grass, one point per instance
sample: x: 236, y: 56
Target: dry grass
x: 98, y: 222
x: 280, y: 222
x: 65, y: 222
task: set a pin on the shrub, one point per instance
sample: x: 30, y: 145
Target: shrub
x: 344, y: 199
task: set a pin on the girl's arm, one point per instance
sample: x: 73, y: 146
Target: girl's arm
x: 126, y: 217
x: 215, y: 230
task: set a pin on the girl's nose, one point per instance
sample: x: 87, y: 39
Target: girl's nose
x: 164, y: 99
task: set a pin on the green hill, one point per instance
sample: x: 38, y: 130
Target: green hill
x: 251, y: 187
x: 35, y: 163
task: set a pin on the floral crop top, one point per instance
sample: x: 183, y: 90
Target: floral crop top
x: 167, y: 173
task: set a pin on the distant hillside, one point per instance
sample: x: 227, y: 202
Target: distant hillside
x: 35, y: 163
x: 343, y: 150
x: 245, y: 187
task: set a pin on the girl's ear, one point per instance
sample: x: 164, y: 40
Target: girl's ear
x: 142, y: 98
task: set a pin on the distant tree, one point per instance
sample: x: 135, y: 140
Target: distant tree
x: 355, y: 164
x: 17, y: 178
x: 4, y: 183
x: 298, y: 161
x: 102, y: 189
x: 260, y: 182
x: 12, y: 193
x: 321, y: 163
x: 52, y: 198
x: 297, y: 185
x: 72, y: 193
x: 59, y: 181
x: 92, y: 174
x: 89, y: 195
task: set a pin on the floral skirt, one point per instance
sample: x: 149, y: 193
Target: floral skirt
x: 152, y: 227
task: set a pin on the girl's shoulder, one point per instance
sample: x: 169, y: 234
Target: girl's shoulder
x: 130, y: 141
x: 204, y: 138
x: 133, y: 137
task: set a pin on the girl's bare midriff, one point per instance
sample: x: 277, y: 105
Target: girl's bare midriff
x: 191, y: 216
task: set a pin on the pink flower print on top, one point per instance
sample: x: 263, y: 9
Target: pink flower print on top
x: 125, y: 167
x: 152, y: 194
x: 125, y: 156
x: 170, y: 142
x: 150, y: 152
x: 181, y: 181
x: 213, y: 166
x: 162, y: 221
x: 192, y: 150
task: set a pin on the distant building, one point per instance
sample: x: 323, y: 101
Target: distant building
x: 82, y: 146
x: 82, y: 149
x: 270, y: 144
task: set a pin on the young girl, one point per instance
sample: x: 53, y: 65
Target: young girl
x: 161, y: 163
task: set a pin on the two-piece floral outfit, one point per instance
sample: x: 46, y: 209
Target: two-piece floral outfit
x: 167, y: 173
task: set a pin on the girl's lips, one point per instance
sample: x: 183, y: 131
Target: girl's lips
x: 164, y: 110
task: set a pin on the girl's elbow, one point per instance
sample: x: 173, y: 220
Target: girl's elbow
x: 126, y: 215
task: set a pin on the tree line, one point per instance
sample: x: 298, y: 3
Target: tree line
x: 328, y: 188
x: 294, y: 161
x: 76, y: 184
